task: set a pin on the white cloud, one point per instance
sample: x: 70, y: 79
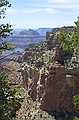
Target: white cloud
x: 71, y: 6
x: 64, y: 3
x: 31, y: 11
x: 49, y: 10
x: 14, y: 11
x: 59, y: 1
x: 45, y: 10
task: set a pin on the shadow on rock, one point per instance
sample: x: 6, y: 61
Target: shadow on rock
x: 62, y: 114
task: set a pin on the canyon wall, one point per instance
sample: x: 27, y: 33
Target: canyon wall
x: 54, y: 86
x: 54, y: 89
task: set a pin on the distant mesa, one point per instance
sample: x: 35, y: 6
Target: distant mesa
x: 29, y: 32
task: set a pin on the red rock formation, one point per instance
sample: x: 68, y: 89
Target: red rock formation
x: 30, y: 79
x: 47, y: 35
x: 49, y: 44
x: 60, y: 89
x: 54, y: 90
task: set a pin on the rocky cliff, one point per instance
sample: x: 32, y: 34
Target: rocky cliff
x: 54, y: 89
x: 46, y: 79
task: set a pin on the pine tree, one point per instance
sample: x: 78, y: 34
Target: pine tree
x: 5, y: 29
x: 70, y: 41
x: 9, y: 102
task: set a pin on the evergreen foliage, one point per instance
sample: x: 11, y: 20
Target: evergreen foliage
x: 76, y: 101
x: 9, y: 101
x: 70, y: 41
x: 5, y: 29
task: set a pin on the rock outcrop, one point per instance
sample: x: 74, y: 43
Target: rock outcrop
x: 51, y: 36
x: 61, y: 86
x: 54, y: 89
x: 52, y: 83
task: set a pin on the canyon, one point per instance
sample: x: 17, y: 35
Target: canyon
x: 54, y: 84
x: 45, y: 76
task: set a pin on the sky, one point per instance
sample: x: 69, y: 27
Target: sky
x: 42, y: 13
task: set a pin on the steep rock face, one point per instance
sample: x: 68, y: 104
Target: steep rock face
x: 61, y: 55
x: 30, y: 79
x: 51, y: 36
x: 53, y: 89
x: 61, y: 86
x: 51, y: 40
x: 54, y: 86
